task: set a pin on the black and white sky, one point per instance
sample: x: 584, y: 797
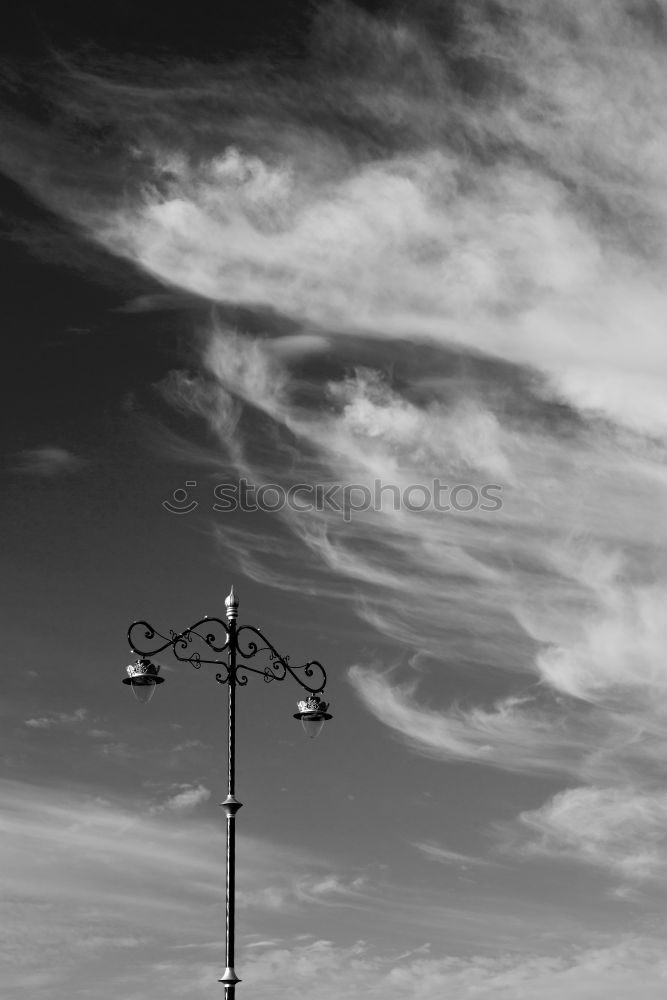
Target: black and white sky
x: 323, y: 245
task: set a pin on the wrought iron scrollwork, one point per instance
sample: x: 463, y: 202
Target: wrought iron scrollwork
x: 183, y: 643
x: 214, y: 635
x: 279, y: 666
x: 149, y: 633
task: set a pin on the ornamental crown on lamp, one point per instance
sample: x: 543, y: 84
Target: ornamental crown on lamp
x: 313, y: 704
x: 142, y: 668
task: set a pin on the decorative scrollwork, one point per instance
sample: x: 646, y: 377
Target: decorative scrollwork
x: 218, y: 637
x: 211, y: 637
x: 182, y: 642
x: 279, y: 667
x: 149, y: 633
x: 252, y: 648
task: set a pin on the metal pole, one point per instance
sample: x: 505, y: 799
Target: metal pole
x: 231, y: 805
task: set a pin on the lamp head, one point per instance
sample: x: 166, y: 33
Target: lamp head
x: 143, y: 677
x: 313, y: 714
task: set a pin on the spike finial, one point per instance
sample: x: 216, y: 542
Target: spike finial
x: 232, y: 605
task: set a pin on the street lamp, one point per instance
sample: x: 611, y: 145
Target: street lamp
x: 217, y: 636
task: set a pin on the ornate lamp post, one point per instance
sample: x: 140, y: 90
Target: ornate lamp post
x: 216, y: 636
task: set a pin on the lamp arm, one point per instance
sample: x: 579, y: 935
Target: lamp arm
x: 279, y: 667
x: 180, y: 642
x: 207, y: 630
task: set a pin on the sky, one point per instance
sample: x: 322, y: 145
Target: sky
x: 358, y: 307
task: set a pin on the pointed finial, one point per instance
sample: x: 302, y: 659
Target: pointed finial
x: 232, y: 605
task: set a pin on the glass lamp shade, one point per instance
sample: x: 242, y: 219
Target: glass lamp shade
x: 312, y: 724
x: 143, y: 690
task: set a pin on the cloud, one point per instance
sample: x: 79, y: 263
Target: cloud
x: 556, y: 588
x: 58, y: 719
x: 619, y: 829
x: 188, y: 798
x: 111, y: 870
x: 619, y: 649
x: 610, y: 969
x: 187, y: 745
x: 513, y: 735
x: 475, y: 207
x: 322, y: 888
x: 47, y: 461
x: 436, y: 852
x: 190, y: 393
x: 147, y: 862
x: 461, y: 227
x: 332, y: 887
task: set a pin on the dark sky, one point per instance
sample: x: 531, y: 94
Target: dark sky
x: 210, y: 29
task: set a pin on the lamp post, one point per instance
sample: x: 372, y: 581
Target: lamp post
x: 213, y: 635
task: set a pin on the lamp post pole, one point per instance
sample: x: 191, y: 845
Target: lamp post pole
x: 231, y: 805
x: 213, y: 635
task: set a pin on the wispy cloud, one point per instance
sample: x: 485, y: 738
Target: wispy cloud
x: 47, y: 461
x: 162, y: 859
x: 513, y: 735
x: 436, y: 852
x: 620, y: 829
x: 112, y: 870
x: 321, y: 888
x: 189, y: 797
x: 58, y: 719
x: 187, y: 745
x: 419, y: 232
x: 610, y: 969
